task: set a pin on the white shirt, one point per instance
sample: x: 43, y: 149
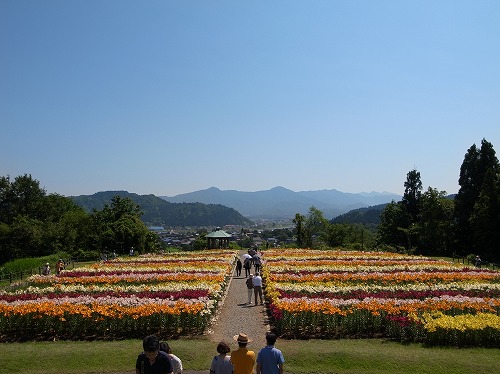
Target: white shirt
x: 176, y: 363
x: 257, y: 281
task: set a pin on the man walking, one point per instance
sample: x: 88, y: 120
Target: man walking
x: 270, y: 360
x: 243, y: 360
x: 249, y: 283
x: 257, y: 288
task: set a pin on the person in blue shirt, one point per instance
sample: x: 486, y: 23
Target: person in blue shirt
x: 270, y: 360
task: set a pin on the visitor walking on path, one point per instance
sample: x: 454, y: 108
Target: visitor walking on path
x: 238, y: 267
x: 257, y: 288
x: 247, y: 264
x: 235, y: 315
x: 249, y: 284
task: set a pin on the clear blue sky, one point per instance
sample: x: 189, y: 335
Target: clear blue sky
x: 169, y: 97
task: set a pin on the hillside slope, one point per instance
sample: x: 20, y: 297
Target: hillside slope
x: 158, y: 212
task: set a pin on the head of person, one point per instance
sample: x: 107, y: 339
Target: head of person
x: 223, y: 348
x: 151, y: 346
x: 242, y: 339
x: 251, y: 275
x: 164, y: 347
x: 257, y: 274
x: 271, y: 338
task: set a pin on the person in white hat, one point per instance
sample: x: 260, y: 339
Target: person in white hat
x: 46, y: 269
x: 243, y: 360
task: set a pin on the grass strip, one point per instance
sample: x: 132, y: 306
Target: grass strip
x: 302, y: 356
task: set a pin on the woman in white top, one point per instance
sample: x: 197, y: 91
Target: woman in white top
x: 176, y: 361
x: 221, y: 364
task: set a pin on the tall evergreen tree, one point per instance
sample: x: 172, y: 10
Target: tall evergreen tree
x: 476, y: 164
x: 299, y: 227
x: 485, y: 218
x: 411, y: 196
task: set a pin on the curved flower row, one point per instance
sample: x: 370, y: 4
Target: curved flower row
x: 345, y: 294
x: 125, y: 297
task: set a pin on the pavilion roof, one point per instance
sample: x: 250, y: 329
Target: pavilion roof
x: 219, y: 234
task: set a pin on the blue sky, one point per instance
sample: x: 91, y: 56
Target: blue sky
x: 169, y: 97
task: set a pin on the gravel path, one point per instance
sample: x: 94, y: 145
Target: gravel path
x: 236, y: 316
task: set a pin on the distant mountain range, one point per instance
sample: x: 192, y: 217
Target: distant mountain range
x: 282, y: 203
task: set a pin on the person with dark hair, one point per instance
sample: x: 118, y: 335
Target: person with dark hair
x: 152, y: 361
x: 243, y: 360
x: 249, y: 284
x: 257, y: 288
x: 270, y: 360
x: 239, y: 265
x: 176, y: 361
x: 221, y: 364
x: 247, y: 264
x: 59, y: 266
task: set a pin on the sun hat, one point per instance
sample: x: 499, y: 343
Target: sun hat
x: 242, y: 338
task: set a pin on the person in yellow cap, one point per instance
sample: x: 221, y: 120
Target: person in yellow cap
x: 243, y: 360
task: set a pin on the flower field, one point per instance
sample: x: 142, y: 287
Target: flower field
x: 350, y: 294
x: 171, y: 295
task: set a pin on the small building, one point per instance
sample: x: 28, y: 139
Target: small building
x: 218, y: 239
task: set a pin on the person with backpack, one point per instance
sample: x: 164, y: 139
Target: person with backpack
x: 247, y: 264
x: 249, y: 283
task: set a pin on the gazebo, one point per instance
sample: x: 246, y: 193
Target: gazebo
x: 218, y: 239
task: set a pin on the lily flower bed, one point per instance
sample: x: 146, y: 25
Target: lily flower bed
x: 353, y: 294
x: 171, y: 295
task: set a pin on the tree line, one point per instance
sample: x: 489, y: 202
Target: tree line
x: 427, y: 222
x: 34, y: 224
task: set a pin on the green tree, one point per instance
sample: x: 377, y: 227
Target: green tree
x: 336, y: 234
x: 411, y: 196
x: 300, y: 230
x: 118, y: 227
x: 315, y: 227
x: 485, y: 218
x: 393, y: 221
x: 435, y: 228
x: 476, y: 164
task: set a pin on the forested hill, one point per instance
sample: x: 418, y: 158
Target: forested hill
x: 366, y: 216
x: 158, y: 212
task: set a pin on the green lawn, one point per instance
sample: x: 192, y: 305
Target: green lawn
x: 302, y: 356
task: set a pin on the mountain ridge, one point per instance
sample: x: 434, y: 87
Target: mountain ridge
x: 282, y: 203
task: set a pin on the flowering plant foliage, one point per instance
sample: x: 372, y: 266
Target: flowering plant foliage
x: 171, y: 295
x: 331, y: 294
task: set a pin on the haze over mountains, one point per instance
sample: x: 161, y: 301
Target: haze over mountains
x: 282, y: 203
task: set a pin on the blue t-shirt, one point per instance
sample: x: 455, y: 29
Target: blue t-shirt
x: 269, y: 358
x: 162, y: 364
